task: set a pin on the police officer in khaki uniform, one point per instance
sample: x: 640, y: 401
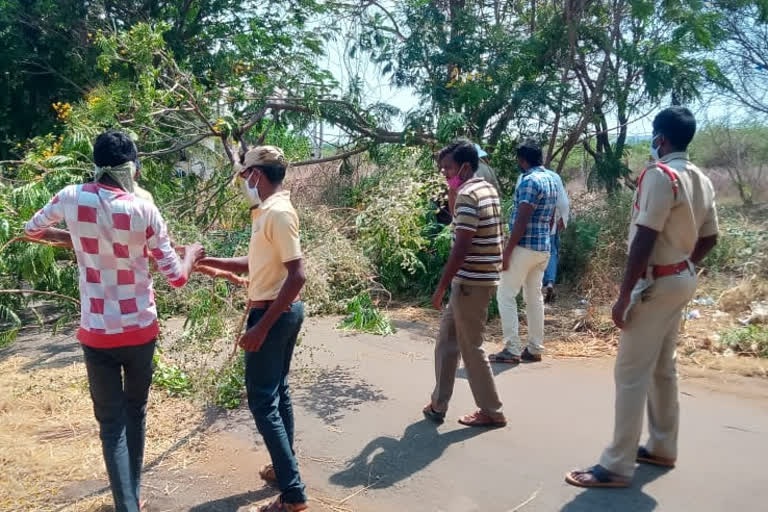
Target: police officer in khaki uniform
x: 674, y: 226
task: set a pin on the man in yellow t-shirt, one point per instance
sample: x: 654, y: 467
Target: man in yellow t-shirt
x: 276, y: 275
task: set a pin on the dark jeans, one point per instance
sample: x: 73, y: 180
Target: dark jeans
x: 120, y: 406
x: 266, y: 379
x: 550, y: 275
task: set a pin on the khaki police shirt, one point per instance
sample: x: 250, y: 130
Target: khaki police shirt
x: 679, y: 221
x: 274, y: 242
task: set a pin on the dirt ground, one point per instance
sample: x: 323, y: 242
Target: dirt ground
x: 350, y: 391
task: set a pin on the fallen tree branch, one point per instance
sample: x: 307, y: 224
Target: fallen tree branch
x: 178, y: 146
x: 339, y: 156
x: 41, y: 292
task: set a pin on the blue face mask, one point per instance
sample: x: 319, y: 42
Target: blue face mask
x: 654, y: 149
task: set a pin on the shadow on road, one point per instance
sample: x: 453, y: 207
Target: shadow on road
x: 397, y: 459
x: 335, y: 392
x: 496, y: 368
x: 630, y: 499
x: 234, y: 503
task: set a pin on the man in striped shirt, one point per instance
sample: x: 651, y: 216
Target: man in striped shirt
x: 472, y: 272
x: 113, y: 232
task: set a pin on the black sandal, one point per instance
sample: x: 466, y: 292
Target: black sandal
x: 601, y: 478
x: 505, y: 356
x: 433, y: 415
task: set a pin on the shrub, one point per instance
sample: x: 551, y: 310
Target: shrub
x: 337, y: 270
x: 751, y: 340
x: 594, y: 247
x: 398, y: 230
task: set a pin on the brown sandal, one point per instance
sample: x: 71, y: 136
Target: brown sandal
x: 279, y: 506
x: 482, y: 419
x: 267, y: 473
x: 645, y: 457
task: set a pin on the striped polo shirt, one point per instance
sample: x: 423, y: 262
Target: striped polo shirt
x: 478, y: 209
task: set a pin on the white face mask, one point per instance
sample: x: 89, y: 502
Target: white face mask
x: 654, y: 149
x: 251, y: 193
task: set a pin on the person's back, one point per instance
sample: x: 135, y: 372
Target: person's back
x: 113, y: 233
x: 691, y: 197
x: 526, y: 255
x: 539, y: 188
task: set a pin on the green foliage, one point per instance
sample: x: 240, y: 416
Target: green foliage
x: 337, y: 270
x: 170, y: 378
x: 230, y: 385
x: 751, y: 340
x: 742, y: 244
x: 397, y: 228
x: 607, y: 172
x: 593, y: 249
x: 363, y: 316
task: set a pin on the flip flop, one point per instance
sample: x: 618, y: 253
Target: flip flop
x: 645, y: 457
x: 602, y: 478
x: 505, y: 356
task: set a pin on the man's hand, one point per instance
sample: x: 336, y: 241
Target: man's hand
x: 195, y: 252
x: 506, y: 255
x: 560, y: 225
x: 253, y: 338
x: 437, y: 298
x: 622, y: 303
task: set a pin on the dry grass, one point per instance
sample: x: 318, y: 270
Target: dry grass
x: 49, y: 439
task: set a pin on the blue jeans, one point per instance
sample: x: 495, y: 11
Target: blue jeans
x: 120, y: 407
x: 266, y: 380
x: 550, y: 275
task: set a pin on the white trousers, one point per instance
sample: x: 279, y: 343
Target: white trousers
x: 526, y: 270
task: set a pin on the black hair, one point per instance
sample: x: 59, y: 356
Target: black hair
x: 274, y: 173
x: 677, y: 125
x: 113, y: 148
x: 530, y: 151
x: 462, y: 151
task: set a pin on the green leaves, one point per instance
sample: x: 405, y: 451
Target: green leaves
x: 364, y: 316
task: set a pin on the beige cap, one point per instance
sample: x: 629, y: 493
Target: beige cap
x: 264, y: 155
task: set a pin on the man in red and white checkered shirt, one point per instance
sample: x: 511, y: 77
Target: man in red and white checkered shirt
x: 113, y: 232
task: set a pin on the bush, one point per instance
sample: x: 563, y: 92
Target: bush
x: 398, y: 229
x: 751, y: 340
x: 742, y: 245
x: 337, y: 270
x: 594, y: 247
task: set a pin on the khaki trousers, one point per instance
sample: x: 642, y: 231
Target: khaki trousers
x: 461, y: 333
x: 646, y: 372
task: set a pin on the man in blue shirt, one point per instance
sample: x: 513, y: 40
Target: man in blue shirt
x: 526, y: 255
x: 562, y: 214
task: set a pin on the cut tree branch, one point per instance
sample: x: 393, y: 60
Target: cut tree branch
x: 339, y: 156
